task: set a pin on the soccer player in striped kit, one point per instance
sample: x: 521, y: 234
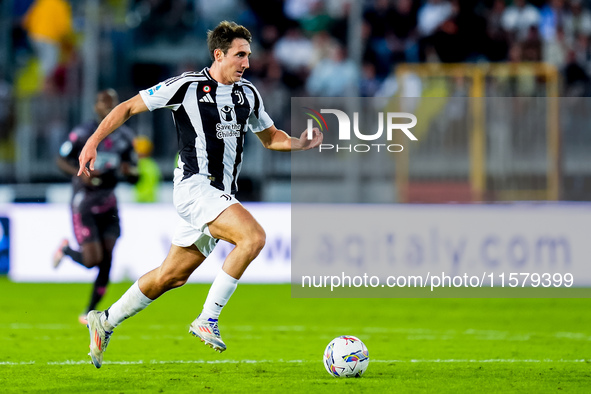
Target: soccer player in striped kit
x: 213, y: 111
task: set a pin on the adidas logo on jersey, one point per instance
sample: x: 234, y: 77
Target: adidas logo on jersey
x: 206, y: 99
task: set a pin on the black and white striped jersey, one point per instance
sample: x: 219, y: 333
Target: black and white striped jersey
x: 212, y: 120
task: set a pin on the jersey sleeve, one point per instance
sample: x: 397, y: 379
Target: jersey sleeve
x: 167, y: 94
x: 258, y: 120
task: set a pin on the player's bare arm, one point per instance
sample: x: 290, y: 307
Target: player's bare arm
x: 119, y: 115
x: 278, y: 140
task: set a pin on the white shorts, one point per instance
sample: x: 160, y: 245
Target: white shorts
x: 198, y: 204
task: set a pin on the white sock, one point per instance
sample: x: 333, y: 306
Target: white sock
x: 128, y: 305
x: 220, y: 292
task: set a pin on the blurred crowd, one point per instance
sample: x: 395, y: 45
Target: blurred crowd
x: 301, y: 45
x: 308, y: 49
x: 300, y: 48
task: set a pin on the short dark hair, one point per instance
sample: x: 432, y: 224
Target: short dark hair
x: 108, y: 92
x: 222, y: 36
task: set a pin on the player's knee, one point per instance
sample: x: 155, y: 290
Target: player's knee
x: 92, y: 256
x: 170, y: 281
x: 91, y: 261
x: 256, y: 241
x: 261, y: 240
x: 174, y: 282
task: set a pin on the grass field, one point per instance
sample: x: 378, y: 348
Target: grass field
x: 275, y: 343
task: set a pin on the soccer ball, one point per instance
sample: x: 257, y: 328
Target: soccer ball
x: 346, y: 356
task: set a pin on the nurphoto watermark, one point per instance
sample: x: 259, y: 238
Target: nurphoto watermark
x: 362, y: 132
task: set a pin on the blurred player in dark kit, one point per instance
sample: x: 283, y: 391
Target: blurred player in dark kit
x: 95, y: 214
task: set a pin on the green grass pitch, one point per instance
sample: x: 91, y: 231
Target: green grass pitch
x: 275, y: 343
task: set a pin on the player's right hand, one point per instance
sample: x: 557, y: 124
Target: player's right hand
x: 305, y: 142
x: 87, y: 157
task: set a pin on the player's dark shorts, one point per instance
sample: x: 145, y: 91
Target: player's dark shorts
x: 95, y: 222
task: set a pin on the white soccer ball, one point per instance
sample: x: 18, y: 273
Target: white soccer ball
x: 346, y: 356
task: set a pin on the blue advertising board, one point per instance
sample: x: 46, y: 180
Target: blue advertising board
x: 4, y: 245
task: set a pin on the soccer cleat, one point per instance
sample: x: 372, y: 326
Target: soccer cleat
x: 82, y: 319
x: 207, y: 330
x: 99, y: 337
x: 59, y: 253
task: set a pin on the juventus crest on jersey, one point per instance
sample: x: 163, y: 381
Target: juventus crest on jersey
x: 212, y: 120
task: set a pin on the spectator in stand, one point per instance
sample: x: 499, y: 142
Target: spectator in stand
x: 149, y: 175
x: 576, y: 79
x: 7, y: 122
x: 339, y: 28
x: 556, y: 49
x: 324, y: 45
x: 577, y: 21
x: 497, y: 48
x: 582, y: 51
x: 268, y: 12
x: 212, y: 12
x: 447, y: 40
x: 552, y: 16
x: 49, y: 26
x: 518, y: 18
x: 335, y: 76
x: 317, y: 20
x: 429, y: 18
x: 269, y: 34
x: 369, y: 83
x: 337, y: 8
x: 292, y: 51
x: 523, y: 83
x: 297, y: 10
x: 21, y: 46
x: 531, y: 47
x: 459, y: 36
x: 379, y: 21
x: 431, y: 15
x: 404, y: 38
x: 161, y: 20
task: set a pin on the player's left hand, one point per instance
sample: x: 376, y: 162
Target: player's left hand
x: 306, y: 143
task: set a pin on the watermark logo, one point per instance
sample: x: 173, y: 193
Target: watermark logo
x: 394, y: 122
x: 315, y: 115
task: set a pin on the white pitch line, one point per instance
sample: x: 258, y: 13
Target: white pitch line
x: 411, y: 333
x: 484, y: 361
x: 153, y: 362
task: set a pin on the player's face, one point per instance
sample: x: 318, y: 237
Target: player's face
x: 235, y: 61
x: 105, y: 103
